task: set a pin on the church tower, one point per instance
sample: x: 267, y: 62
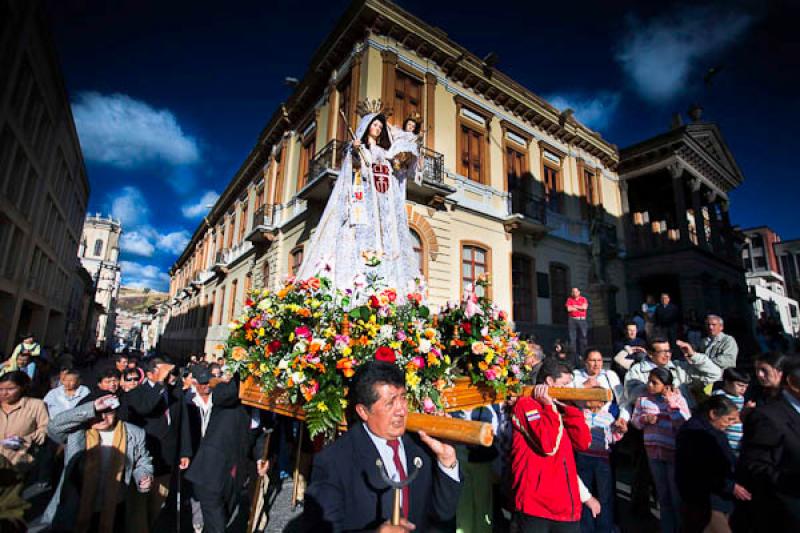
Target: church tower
x: 99, y: 254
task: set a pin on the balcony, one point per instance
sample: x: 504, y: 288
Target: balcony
x: 220, y: 262
x: 649, y: 238
x: 265, y: 225
x: 528, y: 213
x: 433, y: 189
x: 322, y: 172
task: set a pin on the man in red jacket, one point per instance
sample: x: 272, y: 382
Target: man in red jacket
x: 548, y: 494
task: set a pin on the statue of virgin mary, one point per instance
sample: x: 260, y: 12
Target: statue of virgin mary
x: 363, y: 230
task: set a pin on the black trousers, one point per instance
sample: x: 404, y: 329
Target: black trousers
x: 212, y: 503
x: 534, y: 524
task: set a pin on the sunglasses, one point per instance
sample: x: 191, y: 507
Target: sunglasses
x: 129, y: 379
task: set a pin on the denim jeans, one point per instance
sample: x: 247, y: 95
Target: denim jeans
x: 595, y: 472
x: 669, y: 500
x: 578, y: 329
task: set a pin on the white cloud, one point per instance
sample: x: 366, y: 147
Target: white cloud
x: 130, y: 207
x: 138, y: 275
x: 660, y: 55
x: 144, y: 240
x: 199, y: 208
x: 117, y: 130
x: 136, y: 243
x: 173, y: 242
x: 594, y: 111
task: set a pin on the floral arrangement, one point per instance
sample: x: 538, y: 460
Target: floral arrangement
x: 307, y: 339
x: 479, y: 337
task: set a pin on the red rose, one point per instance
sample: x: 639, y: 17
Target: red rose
x: 502, y: 315
x: 467, y: 327
x: 391, y: 294
x: 374, y: 302
x: 274, y: 346
x: 384, y: 353
x: 248, y: 303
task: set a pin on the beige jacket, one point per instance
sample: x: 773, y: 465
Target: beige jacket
x: 28, y: 419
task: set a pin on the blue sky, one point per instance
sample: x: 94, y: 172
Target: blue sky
x: 169, y: 97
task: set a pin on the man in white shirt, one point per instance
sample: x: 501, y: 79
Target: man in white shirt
x: 68, y: 394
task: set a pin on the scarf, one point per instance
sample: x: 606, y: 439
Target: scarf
x: 91, y: 478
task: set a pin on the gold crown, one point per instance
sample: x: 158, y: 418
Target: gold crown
x: 367, y: 106
x: 415, y: 116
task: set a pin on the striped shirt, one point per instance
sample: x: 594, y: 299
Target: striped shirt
x: 602, y: 434
x: 735, y: 431
x: 659, y: 438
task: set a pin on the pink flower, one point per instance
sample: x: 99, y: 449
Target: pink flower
x: 490, y: 374
x: 515, y: 369
x: 478, y: 348
x: 436, y: 352
x: 428, y: 406
x: 401, y: 336
x: 419, y: 362
x: 472, y: 308
x: 303, y: 332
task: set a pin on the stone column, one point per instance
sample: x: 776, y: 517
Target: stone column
x: 716, y: 242
x: 726, y: 228
x: 697, y: 207
x: 679, y: 198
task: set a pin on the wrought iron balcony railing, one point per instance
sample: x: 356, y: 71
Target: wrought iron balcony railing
x: 528, y: 205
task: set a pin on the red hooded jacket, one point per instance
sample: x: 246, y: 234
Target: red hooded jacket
x: 543, y: 459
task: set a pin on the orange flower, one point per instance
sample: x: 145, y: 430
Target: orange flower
x: 345, y: 364
x: 239, y: 353
x: 304, y: 312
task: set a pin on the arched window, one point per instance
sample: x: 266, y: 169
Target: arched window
x: 475, y: 260
x: 98, y: 247
x: 295, y: 260
x: 419, y: 250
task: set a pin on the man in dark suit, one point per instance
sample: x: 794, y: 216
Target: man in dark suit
x: 667, y: 318
x: 222, y: 443
x: 770, y: 458
x: 347, y: 492
x: 158, y: 407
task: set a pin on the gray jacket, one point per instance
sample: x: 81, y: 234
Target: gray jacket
x: 69, y: 428
x: 722, y: 351
x: 697, y: 369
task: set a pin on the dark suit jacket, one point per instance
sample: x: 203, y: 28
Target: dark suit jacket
x: 770, y: 465
x: 219, y: 456
x: 668, y: 315
x: 347, y: 493
x: 167, y: 442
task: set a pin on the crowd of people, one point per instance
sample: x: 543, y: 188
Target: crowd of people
x: 703, y: 442
x: 111, y: 440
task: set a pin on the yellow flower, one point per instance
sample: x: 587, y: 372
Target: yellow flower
x: 261, y: 332
x: 347, y: 351
x: 322, y: 407
x: 395, y: 345
x: 433, y: 360
x: 488, y: 358
x: 263, y: 367
x: 412, y: 379
x: 343, y: 403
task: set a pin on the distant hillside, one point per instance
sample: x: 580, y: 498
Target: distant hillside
x: 138, y: 300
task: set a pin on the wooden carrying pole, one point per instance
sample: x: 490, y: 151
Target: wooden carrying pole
x: 439, y: 427
x: 452, y: 429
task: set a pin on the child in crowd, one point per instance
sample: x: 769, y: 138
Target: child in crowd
x: 594, y: 467
x: 734, y: 387
x: 659, y: 415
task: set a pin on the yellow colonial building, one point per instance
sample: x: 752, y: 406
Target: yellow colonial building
x: 512, y: 186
